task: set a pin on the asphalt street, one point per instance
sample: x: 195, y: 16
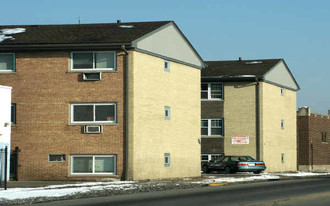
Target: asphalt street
x: 311, y: 191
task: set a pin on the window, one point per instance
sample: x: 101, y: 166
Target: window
x: 93, y: 164
x: 166, y: 66
x: 212, y: 91
x: 93, y: 60
x: 13, y: 113
x: 282, y: 92
x: 212, y: 127
x: 56, y: 158
x: 324, y: 137
x: 167, y: 113
x: 282, y: 124
x: 7, y: 62
x: 167, y: 159
x: 93, y: 113
x: 282, y: 158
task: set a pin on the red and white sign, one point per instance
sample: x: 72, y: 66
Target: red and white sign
x: 240, y: 140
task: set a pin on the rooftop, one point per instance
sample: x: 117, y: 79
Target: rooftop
x: 76, y: 33
x: 239, y: 68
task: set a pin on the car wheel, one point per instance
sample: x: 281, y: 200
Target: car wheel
x: 257, y: 172
x: 227, y: 170
x: 205, y: 169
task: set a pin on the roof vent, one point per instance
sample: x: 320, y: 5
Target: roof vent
x: 254, y: 62
x: 118, y: 21
x: 126, y: 26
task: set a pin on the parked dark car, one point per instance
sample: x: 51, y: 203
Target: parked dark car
x: 233, y: 164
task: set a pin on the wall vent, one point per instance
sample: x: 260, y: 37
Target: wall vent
x: 92, y: 76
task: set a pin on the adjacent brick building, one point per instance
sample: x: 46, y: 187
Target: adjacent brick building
x: 249, y: 108
x: 313, y: 140
x: 88, y: 99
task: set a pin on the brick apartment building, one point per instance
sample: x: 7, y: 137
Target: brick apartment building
x: 100, y: 100
x: 249, y: 108
x: 313, y: 140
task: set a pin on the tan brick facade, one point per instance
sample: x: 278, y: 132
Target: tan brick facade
x: 43, y: 89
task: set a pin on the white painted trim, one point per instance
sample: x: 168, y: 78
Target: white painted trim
x: 92, y: 122
x: 5, y: 87
x: 71, y: 69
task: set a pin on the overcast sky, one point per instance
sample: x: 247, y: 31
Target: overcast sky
x: 297, y: 30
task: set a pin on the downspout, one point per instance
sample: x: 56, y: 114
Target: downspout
x: 126, y: 113
x: 257, y: 119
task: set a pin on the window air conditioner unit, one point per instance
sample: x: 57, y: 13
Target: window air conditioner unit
x: 92, y: 76
x: 93, y: 129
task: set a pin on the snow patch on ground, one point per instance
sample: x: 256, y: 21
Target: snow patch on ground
x: 64, y: 190
x: 301, y: 174
x: 240, y: 179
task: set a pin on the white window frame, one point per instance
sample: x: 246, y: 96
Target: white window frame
x: 168, y: 68
x: 168, y: 109
x: 93, y: 170
x: 14, y: 64
x: 93, y: 69
x: 209, y: 96
x: 209, y: 127
x: 92, y: 122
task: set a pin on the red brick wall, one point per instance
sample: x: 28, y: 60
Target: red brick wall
x: 321, y: 150
x: 43, y: 90
x: 310, y: 131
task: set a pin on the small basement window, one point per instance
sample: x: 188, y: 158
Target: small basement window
x: 56, y: 158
